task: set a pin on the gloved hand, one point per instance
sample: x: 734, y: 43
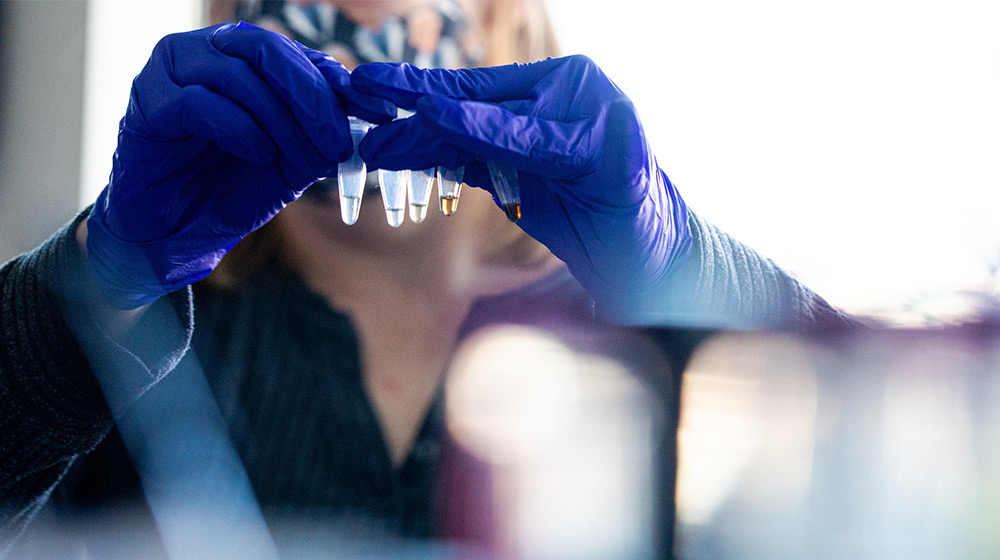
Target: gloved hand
x: 590, y: 187
x: 225, y: 126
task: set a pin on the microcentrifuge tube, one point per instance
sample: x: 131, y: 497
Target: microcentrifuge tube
x: 393, y: 185
x: 351, y: 175
x: 449, y: 187
x: 507, y: 187
x: 421, y: 184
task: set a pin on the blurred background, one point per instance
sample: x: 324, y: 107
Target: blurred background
x: 855, y: 143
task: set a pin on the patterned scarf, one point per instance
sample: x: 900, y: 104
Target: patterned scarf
x: 432, y: 37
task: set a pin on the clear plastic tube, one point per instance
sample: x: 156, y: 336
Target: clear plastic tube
x: 449, y: 187
x: 421, y: 185
x: 351, y: 175
x: 393, y: 185
x: 508, y: 188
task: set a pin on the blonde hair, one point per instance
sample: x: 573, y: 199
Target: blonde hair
x: 516, y: 31
x: 506, y: 31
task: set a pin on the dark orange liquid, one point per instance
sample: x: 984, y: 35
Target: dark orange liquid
x: 448, y: 205
x: 513, y: 211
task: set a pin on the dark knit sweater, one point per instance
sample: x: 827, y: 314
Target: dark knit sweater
x: 282, y: 368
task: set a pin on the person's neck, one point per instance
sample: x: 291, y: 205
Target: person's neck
x: 414, y: 289
x: 407, y: 308
x: 407, y: 294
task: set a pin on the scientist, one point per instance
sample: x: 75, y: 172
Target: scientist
x: 325, y: 345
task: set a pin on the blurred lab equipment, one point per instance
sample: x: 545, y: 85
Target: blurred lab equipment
x: 864, y: 445
x: 574, y: 430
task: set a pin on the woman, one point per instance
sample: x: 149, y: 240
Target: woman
x: 324, y: 345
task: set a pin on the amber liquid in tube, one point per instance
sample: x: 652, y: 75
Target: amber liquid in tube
x: 449, y: 204
x: 513, y: 211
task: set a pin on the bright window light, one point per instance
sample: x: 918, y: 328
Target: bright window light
x: 120, y: 36
x: 855, y: 143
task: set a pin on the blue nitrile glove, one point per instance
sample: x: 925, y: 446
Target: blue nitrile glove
x: 590, y: 187
x: 225, y: 126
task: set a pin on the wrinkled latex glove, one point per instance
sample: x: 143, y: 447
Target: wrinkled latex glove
x: 224, y: 127
x: 591, y: 190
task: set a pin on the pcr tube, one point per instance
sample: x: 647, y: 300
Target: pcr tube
x: 393, y: 185
x: 449, y: 187
x: 351, y: 175
x: 507, y: 187
x: 421, y: 184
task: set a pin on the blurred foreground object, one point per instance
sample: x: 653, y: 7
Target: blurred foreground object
x: 879, y: 445
x: 572, y: 433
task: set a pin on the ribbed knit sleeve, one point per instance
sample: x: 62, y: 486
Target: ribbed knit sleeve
x: 52, y: 407
x: 723, y: 283
x: 749, y: 289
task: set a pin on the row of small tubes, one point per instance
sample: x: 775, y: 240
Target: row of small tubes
x: 415, y: 185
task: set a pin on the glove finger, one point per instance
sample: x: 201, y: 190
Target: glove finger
x: 543, y: 147
x: 235, y: 80
x: 404, y: 84
x: 211, y: 117
x: 367, y: 107
x: 409, y: 144
x: 477, y: 174
x: 296, y: 81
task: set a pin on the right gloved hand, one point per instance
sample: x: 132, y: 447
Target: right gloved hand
x: 225, y: 126
x: 591, y: 189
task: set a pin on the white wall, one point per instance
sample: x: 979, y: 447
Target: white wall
x: 41, y: 74
x: 855, y: 142
x: 121, y: 34
x: 65, y: 71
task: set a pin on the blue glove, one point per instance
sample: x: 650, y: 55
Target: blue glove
x: 590, y: 187
x: 225, y: 126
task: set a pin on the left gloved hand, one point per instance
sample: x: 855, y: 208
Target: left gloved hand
x: 590, y: 187
x: 225, y: 126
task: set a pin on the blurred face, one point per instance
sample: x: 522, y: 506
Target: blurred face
x: 424, y: 32
x: 419, y: 32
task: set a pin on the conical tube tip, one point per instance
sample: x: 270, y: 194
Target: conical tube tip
x: 449, y: 204
x: 394, y: 216
x: 418, y: 212
x: 513, y: 211
x: 350, y: 209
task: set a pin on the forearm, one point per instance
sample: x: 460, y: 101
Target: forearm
x: 116, y: 322
x: 67, y: 360
x: 51, y: 407
x: 722, y: 283
x: 749, y: 289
